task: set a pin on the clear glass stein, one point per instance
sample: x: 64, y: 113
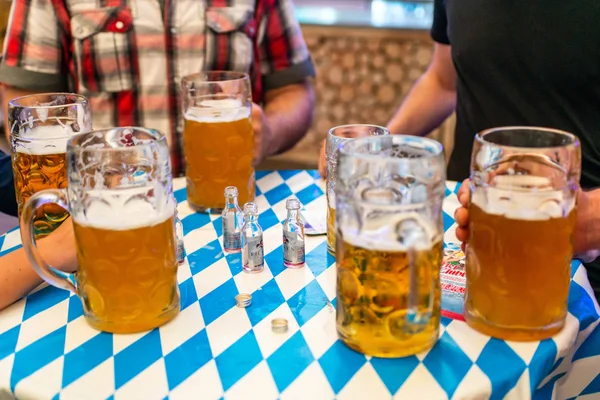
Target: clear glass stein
x: 40, y: 126
x: 218, y: 139
x: 120, y: 198
x: 389, y: 196
x: 524, y: 183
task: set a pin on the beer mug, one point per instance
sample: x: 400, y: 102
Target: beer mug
x: 40, y: 126
x: 389, y: 197
x: 522, y: 216
x: 121, y: 203
x: 218, y: 140
x: 335, y: 137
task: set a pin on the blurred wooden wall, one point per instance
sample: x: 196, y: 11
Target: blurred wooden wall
x: 363, y: 74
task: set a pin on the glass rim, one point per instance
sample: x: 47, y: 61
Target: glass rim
x: 157, y: 137
x: 332, y: 130
x: 348, y: 149
x: 15, y: 102
x: 480, y: 137
x: 198, y: 76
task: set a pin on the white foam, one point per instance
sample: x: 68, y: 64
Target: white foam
x: 43, y: 140
x: 214, y: 111
x: 122, y: 209
x: 522, y: 197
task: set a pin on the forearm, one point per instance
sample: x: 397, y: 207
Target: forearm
x: 589, y: 221
x: 289, y: 114
x: 17, y: 277
x: 426, y: 106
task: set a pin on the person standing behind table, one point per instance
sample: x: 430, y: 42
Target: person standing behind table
x: 502, y: 63
x: 128, y: 58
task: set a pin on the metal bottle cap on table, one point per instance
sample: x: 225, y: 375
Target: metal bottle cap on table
x: 279, y: 325
x: 243, y: 300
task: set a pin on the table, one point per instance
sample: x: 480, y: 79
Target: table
x: 215, y: 350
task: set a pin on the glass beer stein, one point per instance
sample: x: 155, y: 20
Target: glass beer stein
x: 218, y: 140
x: 523, y: 186
x: 40, y: 126
x: 335, y: 137
x: 121, y: 203
x: 389, y: 197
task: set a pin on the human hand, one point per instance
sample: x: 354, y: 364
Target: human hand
x: 461, y: 215
x: 582, y: 247
x: 59, y: 248
x: 262, y: 134
x: 323, y: 160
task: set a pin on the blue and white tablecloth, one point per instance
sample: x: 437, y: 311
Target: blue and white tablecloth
x: 214, y: 349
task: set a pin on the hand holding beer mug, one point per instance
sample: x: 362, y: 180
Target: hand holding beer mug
x: 522, y: 217
x: 335, y: 138
x: 40, y: 126
x: 218, y: 140
x: 120, y: 199
x: 389, y: 197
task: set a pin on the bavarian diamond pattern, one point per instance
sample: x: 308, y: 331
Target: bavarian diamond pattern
x: 215, y: 350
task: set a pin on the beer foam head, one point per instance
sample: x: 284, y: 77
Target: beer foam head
x: 523, y: 197
x: 122, y: 209
x: 222, y: 110
x: 41, y: 140
x: 400, y: 232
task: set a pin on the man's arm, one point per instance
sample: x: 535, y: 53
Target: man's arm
x: 587, y: 237
x: 17, y: 276
x: 9, y: 93
x: 289, y: 113
x: 432, y: 98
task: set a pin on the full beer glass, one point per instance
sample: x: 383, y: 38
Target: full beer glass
x: 522, y: 214
x: 121, y: 203
x: 218, y: 140
x: 40, y: 126
x: 335, y: 137
x: 389, y: 197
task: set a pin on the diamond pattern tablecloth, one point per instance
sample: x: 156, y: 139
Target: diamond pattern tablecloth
x: 216, y: 350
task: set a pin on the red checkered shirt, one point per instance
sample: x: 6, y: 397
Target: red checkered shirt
x: 128, y: 56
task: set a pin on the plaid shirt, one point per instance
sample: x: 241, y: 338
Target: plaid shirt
x: 128, y: 56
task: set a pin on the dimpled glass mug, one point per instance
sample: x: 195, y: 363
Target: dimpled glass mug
x: 389, y: 196
x: 40, y: 126
x: 524, y: 183
x: 120, y: 198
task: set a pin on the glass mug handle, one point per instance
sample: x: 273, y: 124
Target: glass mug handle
x: 48, y: 273
x: 418, y: 314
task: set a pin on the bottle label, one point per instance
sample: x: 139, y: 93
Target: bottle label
x: 293, y: 249
x: 232, y: 241
x: 255, y: 252
x: 180, y: 251
x: 232, y: 238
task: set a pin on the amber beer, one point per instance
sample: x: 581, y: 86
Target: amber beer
x: 374, y: 291
x: 218, y: 143
x: 127, y: 271
x: 518, y: 264
x: 38, y: 164
x: 330, y: 224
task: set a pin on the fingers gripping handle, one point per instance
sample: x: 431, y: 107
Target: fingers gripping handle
x: 49, y: 274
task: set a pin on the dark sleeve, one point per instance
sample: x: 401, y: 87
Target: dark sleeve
x: 439, y: 29
x: 8, y: 201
